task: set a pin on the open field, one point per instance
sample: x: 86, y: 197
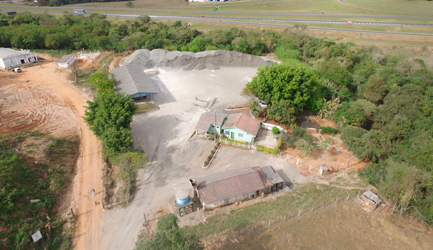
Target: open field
x: 341, y: 226
x: 415, y: 8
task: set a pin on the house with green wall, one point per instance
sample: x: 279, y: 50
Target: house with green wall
x: 239, y: 127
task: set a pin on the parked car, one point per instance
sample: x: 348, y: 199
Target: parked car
x: 262, y: 104
x: 17, y: 70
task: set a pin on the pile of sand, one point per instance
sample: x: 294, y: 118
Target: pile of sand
x: 195, y: 61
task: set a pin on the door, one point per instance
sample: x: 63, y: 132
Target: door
x: 232, y: 135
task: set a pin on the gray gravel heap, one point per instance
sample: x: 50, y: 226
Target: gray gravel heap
x: 195, y: 61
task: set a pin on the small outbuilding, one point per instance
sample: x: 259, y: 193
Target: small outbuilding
x: 211, y: 122
x: 371, y: 200
x: 324, y: 169
x: 10, y: 58
x: 66, y: 61
x: 133, y: 81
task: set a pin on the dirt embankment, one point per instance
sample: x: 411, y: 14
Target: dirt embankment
x: 42, y: 98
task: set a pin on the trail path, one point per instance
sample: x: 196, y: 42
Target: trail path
x: 86, y: 207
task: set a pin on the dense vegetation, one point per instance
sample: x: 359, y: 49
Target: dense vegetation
x: 168, y: 235
x: 75, y: 32
x: 384, y: 102
x: 23, y: 178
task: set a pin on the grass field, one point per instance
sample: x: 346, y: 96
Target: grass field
x: 404, y: 7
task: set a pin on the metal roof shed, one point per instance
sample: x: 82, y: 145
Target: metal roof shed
x: 133, y: 81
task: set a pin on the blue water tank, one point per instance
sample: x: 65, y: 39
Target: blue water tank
x: 182, y: 196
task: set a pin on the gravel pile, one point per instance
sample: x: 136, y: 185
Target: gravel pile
x: 195, y: 61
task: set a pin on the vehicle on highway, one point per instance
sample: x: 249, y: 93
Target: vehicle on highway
x: 349, y: 22
x: 79, y: 11
x: 202, y: 16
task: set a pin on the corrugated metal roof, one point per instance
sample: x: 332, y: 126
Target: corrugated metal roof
x: 372, y: 196
x: 244, y: 122
x: 65, y: 58
x: 272, y: 175
x: 5, y: 52
x: 208, y: 118
x: 133, y: 80
x: 228, y: 184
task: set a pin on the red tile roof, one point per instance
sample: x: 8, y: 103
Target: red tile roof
x: 228, y: 184
x: 208, y: 118
x: 244, y: 122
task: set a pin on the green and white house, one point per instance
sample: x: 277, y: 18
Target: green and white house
x: 241, y: 127
x: 238, y: 127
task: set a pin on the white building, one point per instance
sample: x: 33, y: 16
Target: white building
x: 65, y: 61
x: 10, y: 58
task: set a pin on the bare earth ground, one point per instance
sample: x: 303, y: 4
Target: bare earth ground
x: 42, y: 98
x: 342, y: 226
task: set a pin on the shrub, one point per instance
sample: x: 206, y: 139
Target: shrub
x: 209, y: 157
x: 275, y: 130
x: 289, y: 140
x: 212, y: 152
x: 206, y: 162
x: 330, y: 130
x: 299, y: 132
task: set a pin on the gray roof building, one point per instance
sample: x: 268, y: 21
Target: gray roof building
x: 10, y: 58
x: 133, y: 81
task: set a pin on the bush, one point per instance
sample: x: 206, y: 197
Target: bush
x: 275, y: 130
x: 289, y: 140
x: 299, y: 132
x: 330, y: 130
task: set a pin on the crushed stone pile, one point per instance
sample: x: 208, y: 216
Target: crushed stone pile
x: 212, y: 60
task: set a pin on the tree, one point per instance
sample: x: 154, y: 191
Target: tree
x: 109, y: 116
x: 282, y: 113
x: 170, y: 236
x: 102, y: 81
x: 129, y: 4
x: 292, y: 83
x: 352, y: 137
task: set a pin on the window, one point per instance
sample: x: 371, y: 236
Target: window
x: 240, y: 134
x: 227, y: 132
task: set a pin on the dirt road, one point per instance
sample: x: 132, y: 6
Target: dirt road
x: 53, y: 90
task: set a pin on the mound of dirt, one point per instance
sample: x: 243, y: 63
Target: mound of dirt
x: 188, y: 67
x: 187, y: 60
x: 200, y: 66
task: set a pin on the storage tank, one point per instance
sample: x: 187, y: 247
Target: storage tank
x: 182, y: 196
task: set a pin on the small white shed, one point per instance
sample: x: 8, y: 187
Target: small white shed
x: 65, y: 61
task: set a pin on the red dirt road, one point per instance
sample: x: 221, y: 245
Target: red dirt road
x: 53, y: 104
